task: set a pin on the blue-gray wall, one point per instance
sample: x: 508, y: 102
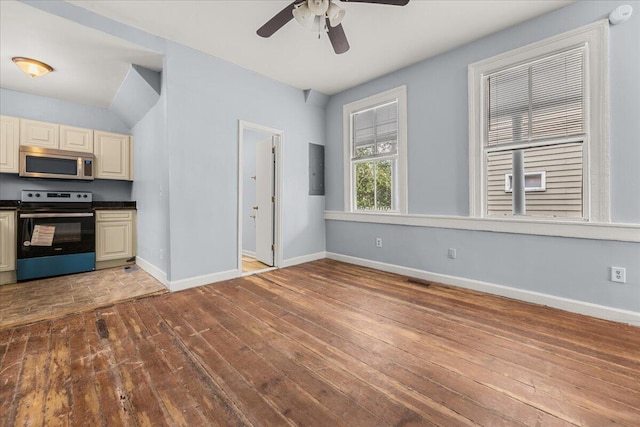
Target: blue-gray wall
x: 151, y: 185
x: 205, y: 99
x: 19, y: 104
x: 439, y: 181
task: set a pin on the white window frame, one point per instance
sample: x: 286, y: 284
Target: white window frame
x: 398, y: 94
x: 596, y: 141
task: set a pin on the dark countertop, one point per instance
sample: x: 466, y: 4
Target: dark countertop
x: 9, y: 204
x: 114, y: 205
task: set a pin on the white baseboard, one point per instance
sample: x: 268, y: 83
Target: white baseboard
x: 249, y: 253
x: 158, y: 274
x: 192, y: 282
x: 580, y: 307
x: 302, y: 259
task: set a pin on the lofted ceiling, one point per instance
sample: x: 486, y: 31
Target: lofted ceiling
x: 382, y: 38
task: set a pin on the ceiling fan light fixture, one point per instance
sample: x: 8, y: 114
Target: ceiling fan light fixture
x: 32, y: 67
x: 304, y: 16
x: 335, y: 14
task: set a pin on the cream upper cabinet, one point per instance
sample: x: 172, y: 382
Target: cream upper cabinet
x: 114, y: 235
x: 76, y: 139
x: 8, y: 241
x: 9, y: 142
x: 114, y: 155
x: 38, y: 134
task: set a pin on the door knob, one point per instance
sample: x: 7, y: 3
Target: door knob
x: 255, y: 208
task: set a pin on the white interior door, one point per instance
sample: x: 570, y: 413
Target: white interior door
x: 264, y: 200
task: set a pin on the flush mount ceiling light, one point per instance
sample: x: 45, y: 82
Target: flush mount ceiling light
x: 32, y: 67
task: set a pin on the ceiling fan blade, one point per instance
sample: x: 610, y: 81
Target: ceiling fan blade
x: 338, y: 38
x: 278, y: 21
x: 389, y: 2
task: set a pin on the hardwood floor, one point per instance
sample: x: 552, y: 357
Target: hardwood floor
x: 323, y: 343
x: 35, y: 300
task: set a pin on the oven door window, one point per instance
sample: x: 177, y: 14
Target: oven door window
x: 40, y: 237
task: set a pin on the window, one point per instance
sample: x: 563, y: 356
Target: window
x: 375, y: 153
x: 538, y: 129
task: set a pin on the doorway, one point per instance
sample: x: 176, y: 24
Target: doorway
x: 259, y: 198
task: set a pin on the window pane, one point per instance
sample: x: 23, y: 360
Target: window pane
x: 374, y: 185
x: 388, y: 147
x: 508, y: 109
x: 383, y: 185
x: 365, y: 186
x: 364, y: 128
x: 539, y: 100
x: 560, y: 195
x: 387, y: 121
x: 364, y: 151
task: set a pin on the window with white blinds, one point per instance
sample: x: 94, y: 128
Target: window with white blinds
x: 535, y: 112
x: 375, y: 153
x: 540, y: 100
x: 375, y: 132
x: 538, y: 129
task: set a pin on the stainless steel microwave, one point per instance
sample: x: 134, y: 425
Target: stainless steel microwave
x: 37, y: 162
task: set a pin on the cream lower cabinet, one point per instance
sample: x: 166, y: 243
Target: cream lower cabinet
x: 7, y: 246
x: 115, y: 237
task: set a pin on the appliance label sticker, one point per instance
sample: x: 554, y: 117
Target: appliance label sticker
x: 43, y: 235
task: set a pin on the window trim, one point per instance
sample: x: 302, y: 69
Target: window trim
x: 596, y: 151
x: 399, y: 94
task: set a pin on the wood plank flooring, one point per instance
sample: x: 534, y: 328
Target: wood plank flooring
x: 35, y: 300
x: 321, y: 344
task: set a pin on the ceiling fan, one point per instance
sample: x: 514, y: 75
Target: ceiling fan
x: 318, y: 16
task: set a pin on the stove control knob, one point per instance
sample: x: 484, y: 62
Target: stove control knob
x: 30, y: 195
x: 79, y: 196
x: 37, y: 194
x: 85, y: 196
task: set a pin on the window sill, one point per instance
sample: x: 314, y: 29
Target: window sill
x: 546, y: 227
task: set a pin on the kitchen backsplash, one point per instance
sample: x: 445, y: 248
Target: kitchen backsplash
x: 102, y: 189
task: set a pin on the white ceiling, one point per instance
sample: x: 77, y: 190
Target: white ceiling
x: 382, y: 38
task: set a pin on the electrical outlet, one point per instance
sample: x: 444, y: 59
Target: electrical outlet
x: 378, y: 242
x: 619, y: 274
x: 452, y: 253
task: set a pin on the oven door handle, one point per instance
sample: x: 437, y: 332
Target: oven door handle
x: 57, y: 215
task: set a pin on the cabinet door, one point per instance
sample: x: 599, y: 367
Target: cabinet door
x: 8, y: 241
x: 9, y: 141
x: 113, y: 155
x: 76, y: 139
x: 114, y: 240
x: 38, y: 134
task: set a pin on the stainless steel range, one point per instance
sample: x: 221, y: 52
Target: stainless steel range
x: 56, y: 234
